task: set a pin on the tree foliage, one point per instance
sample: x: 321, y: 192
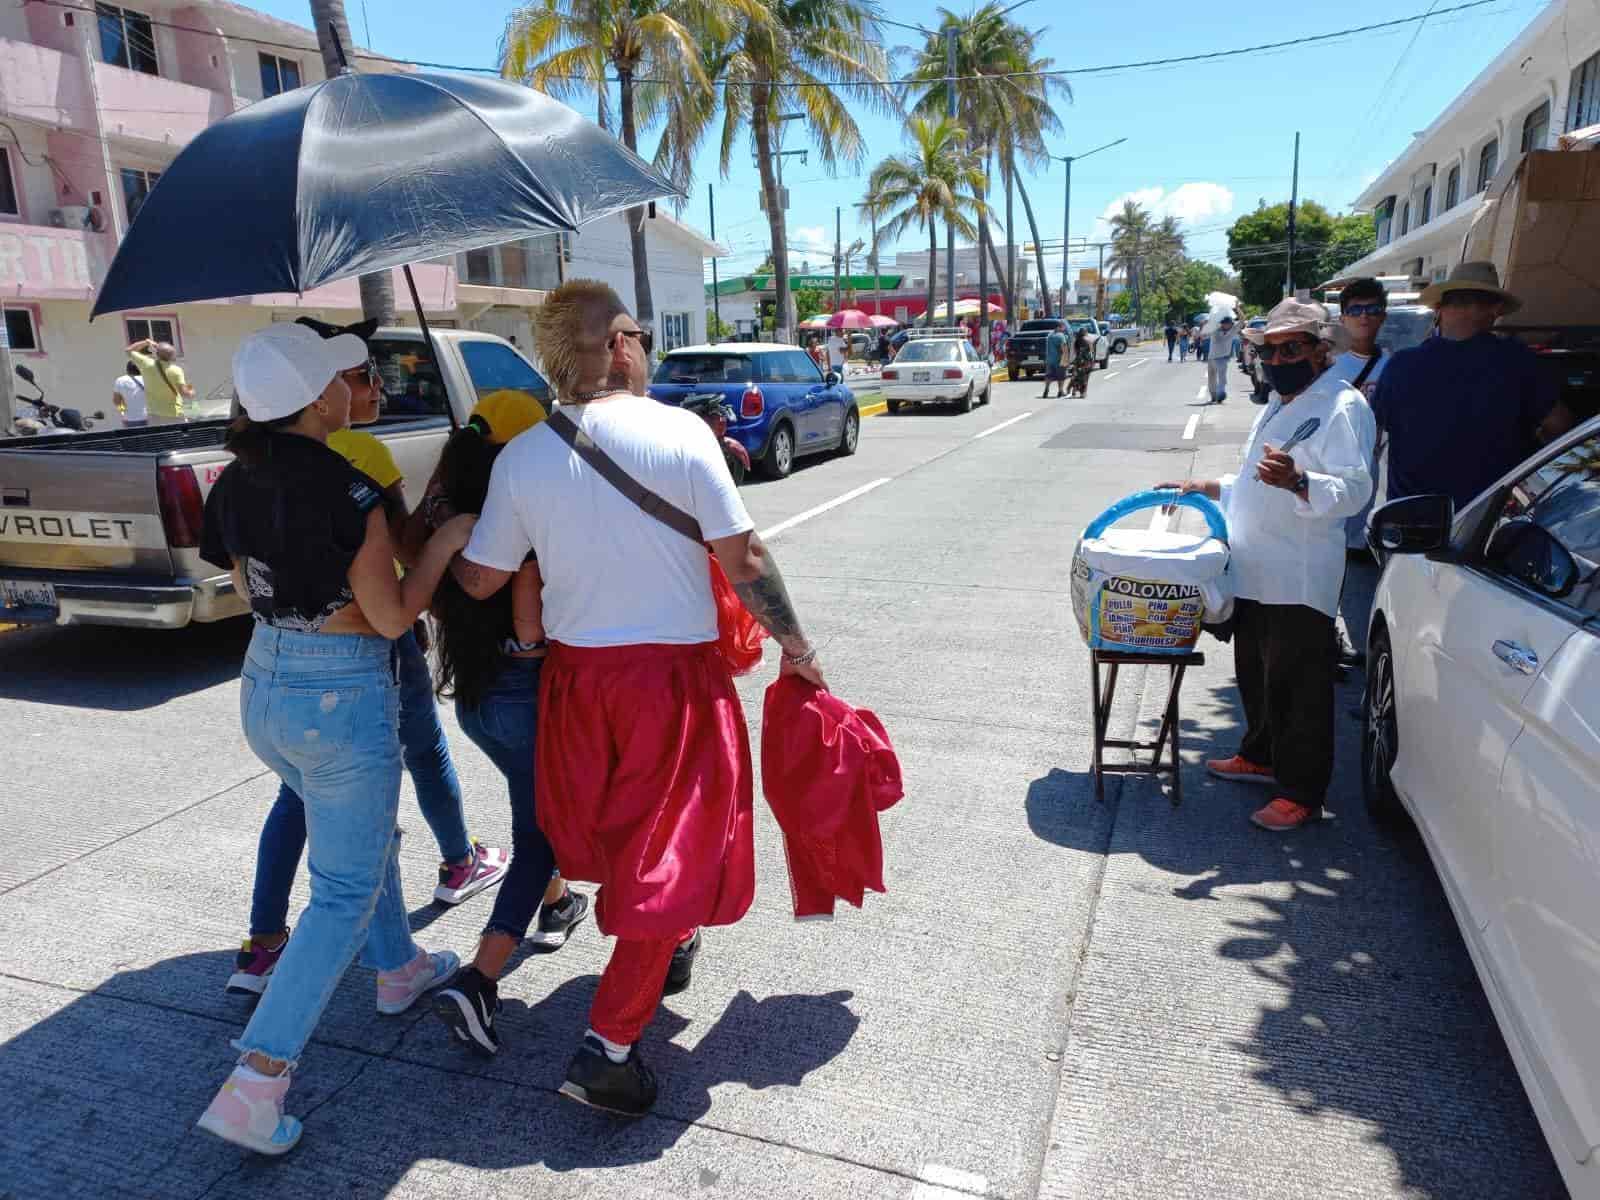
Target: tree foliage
x: 1354, y: 237
x: 1258, y: 248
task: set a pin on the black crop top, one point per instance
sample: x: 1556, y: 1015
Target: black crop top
x: 293, y: 523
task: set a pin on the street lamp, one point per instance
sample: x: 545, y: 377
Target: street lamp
x: 1066, y: 209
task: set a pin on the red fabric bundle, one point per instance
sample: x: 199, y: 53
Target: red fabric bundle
x: 827, y: 770
x: 739, y: 635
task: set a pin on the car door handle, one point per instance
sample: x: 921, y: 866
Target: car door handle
x: 1518, y: 658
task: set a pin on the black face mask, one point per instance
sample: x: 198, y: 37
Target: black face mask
x: 1290, y: 379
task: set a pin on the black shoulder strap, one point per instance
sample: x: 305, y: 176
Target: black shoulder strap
x: 663, y: 510
x: 1367, y: 370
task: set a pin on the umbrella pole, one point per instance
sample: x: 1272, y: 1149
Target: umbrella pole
x: 427, y: 338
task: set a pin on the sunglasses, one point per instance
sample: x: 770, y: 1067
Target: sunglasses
x: 1284, y: 351
x: 1374, y: 309
x: 1464, y: 298
x: 368, y: 369
x: 645, y: 338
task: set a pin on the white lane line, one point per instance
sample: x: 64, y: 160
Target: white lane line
x: 767, y: 534
x: 1002, y: 425
x: 1188, y: 430
x: 1138, y: 362
x: 1159, y: 520
x: 1113, y: 374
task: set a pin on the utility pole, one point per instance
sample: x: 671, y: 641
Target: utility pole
x: 716, y: 299
x: 949, y: 226
x: 837, y: 251
x: 1066, y: 209
x: 1294, y: 198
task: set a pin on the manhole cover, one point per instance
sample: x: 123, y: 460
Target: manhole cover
x: 1156, y: 438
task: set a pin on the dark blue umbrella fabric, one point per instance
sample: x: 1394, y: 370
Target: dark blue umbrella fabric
x: 365, y: 172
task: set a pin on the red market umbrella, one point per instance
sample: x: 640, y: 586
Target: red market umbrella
x: 850, y: 318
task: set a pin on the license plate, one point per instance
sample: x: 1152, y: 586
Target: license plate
x: 921, y: 376
x: 21, y: 595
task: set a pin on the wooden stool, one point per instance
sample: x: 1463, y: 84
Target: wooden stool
x: 1115, y: 659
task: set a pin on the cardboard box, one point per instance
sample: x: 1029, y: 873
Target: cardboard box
x: 1540, y: 226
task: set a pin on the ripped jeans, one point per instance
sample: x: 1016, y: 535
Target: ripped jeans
x: 322, y: 711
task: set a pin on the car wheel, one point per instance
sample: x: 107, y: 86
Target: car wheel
x: 851, y: 437
x: 1119, y: 347
x: 779, y: 460
x: 1380, y: 741
x: 988, y: 393
x: 965, y: 403
x: 893, y: 406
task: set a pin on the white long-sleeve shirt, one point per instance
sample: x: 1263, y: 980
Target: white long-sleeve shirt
x: 1288, y: 550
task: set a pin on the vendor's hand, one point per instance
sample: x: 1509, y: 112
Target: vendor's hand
x: 1207, y: 487
x: 1277, y: 469
x: 811, y: 672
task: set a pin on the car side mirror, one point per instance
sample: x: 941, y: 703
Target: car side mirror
x: 832, y: 379
x: 1413, y: 525
x: 1530, y: 554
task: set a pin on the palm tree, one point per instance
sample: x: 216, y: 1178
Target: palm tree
x: 776, y: 62
x: 565, y: 47
x: 1132, y: 233
x: 938, y: 180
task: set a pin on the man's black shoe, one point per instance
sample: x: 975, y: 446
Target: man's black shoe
x: 1349, y: 656
x: 627, y: 1087
x: 469, y: 1005
x: 682, y: 966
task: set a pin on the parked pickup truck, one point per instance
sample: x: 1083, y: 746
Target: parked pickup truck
x: 1025, y: 350
x: 104, y: 528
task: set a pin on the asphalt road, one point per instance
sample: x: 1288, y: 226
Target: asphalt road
x: 1056, y: 997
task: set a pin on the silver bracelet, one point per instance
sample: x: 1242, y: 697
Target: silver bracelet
x: 800, y: 660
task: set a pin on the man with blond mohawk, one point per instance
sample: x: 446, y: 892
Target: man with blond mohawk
x: 643, y: 761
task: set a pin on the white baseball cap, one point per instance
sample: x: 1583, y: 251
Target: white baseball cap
x: 279, y: 370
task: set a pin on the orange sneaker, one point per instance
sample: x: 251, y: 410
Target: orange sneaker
x: 1241, y: 770
x: 1283, y: 815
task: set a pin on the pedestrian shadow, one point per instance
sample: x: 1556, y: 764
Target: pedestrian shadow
x: 120, y: 670
x: 381, y: 1097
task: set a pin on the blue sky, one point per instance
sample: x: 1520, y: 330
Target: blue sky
x: 1205, y: 141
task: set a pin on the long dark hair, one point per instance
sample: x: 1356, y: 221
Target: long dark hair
x: 248, y: 440
x: 470, y: 631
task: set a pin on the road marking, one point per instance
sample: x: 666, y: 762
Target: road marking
x: 939, y: 1182
x: 1188, y: 430
x: 767, y: 534
x: 1138, y: 362
x: 1002, y: 425
x: 1159, y: 521
x: 1113, y: 375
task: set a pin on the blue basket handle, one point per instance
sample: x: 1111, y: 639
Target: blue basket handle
x: 1160, y: 498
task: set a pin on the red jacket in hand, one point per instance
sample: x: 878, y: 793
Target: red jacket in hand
x: 828, y: 770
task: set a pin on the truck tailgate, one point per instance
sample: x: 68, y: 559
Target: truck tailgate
x: 69, y: 510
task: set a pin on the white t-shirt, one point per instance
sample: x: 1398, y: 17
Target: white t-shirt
x: 836, y: 351
x: 1346, y: 367
x: 613, y: 574
x: 1349, y: 364
x: 132, y: 393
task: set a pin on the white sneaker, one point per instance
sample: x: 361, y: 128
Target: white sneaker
x: 248, y: 1112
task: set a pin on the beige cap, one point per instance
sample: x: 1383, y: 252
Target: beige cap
x: 1471, y: 277
x: 1294, y: 316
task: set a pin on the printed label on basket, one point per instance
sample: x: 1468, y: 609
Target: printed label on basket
x: 1118, y: 612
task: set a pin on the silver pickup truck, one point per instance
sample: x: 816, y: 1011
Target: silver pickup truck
x: 104, y: 528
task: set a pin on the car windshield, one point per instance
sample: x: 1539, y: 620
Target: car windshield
x: 705, y: 368
x: 1038, y: 326
x: 931, y: 352
x: 1404, y: 328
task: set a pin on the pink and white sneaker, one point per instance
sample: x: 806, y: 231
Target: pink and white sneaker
x: 399, y: 990
x: 486, y: 868
x: 248, y: 1112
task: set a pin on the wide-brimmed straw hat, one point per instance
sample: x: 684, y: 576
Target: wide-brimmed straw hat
x: 1294, y: 316
x: 1471, y: 277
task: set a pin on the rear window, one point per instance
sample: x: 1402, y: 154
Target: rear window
x: 705, y: 368
x: 1038, y: 326
x: 931, y: 352
x: 412, y: 385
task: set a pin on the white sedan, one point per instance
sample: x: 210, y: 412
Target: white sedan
x: 1483, y: 726
x: 936, y: 370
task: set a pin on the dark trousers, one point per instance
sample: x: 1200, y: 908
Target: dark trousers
x: 1283, y: 655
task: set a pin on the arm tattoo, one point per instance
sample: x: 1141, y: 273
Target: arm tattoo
x: 768, y: 601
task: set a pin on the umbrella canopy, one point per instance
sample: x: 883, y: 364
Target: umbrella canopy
x: 879, y: 321
x: 964, y: 308
x: 849, y: 318
x: 362, y: 173
x: 820, y: 321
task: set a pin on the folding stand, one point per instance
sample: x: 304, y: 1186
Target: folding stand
x: 1115, y: 659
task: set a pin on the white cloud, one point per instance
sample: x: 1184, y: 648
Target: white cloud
x: 1190, y: 203
x: 811, y: 235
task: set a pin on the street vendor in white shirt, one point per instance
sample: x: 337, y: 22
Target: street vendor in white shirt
x: 1286, y: 516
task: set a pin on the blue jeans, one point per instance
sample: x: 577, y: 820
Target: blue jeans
x: 427, y: 758
x: 505, y: 728
x: 323, y: 712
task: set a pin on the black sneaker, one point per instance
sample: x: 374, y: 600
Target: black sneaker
x: 682, y: 966
x: 626, y: 1088
x: 558, y: 920
x: 469, y: 1004
x: 1349, y: 656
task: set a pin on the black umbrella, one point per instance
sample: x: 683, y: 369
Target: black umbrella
x: 363, y: 173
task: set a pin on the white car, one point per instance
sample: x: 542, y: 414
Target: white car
x: 936, y: 370
x: 1483, y: 726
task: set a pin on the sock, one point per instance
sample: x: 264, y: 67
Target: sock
x: 250, y: 1072
x: 614, y: 1052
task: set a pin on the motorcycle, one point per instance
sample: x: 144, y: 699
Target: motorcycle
x: 711, y: 408
x: 50, y: 419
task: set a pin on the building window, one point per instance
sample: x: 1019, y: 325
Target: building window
x: 1583, y: 101
x: 1452, y: 188
x: 22, y: 329
x: 513, y: 265
x: 278, y: 75
x: 127, y: 39
x: 1536, y: 128
x: 674, y: 330
x: 1405, y: 219
x: 1383, y: 220
x: 1427, y: 205
x: 1488, y: 163
x: 480, y: 266
x: 157, y: 329
x: 8, y: 188
x: 136, y: 187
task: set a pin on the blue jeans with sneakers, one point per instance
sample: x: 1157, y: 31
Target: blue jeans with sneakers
x: 322, y: 711
x: 427, y: 758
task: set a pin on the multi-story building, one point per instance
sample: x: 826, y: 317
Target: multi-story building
x: 1544, y: 86
x: 97, y: 99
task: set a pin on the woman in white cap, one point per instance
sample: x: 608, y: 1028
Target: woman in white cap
x: 306, y: 538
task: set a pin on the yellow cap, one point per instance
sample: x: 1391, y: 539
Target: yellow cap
x: 503, y: 414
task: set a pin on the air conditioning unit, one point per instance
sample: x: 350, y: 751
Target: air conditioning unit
x: 78, y: 216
